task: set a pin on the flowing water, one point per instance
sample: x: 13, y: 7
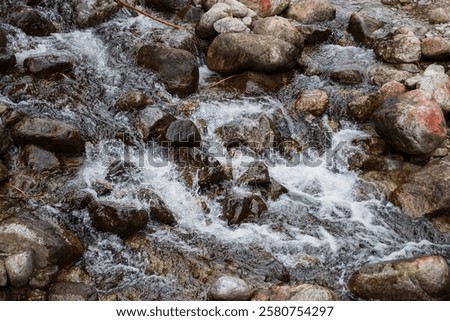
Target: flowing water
x: 318, y: 232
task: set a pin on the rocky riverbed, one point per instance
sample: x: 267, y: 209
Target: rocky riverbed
x: 257, y: 150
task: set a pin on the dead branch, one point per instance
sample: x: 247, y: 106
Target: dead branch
x: 220, y: 81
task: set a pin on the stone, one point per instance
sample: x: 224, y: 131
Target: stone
x: 132, y: 100
x: 182, y: 133
x: 152, y: 123
x: 46, y: 66
x: 301, y: 292
x: 118, y: 172
x: 158, y: 208
x: 424, y: 278
x: 314, y: 35
x: 51, y: 244
x: 436, y: 83
x: 19, y: 268
x: 205, y: 27
x: 411, y: 83
x: 71, y: 291
x: 362, y: 28
x: 167, y: 5
x: 229, y: 288
x: 401, y: 46
x: 439, y: 15
x: 3, y: 274
x: 177, y: 68
x: 280, y: 28
x: 191, y: 14
x: 7, y: 60
x: 266, y: 8
x: 43, y: 277
x: 53, y: 135
x: 32, y: 23
x: 91, y: 13
x: 435, y: 48
x: 314, y: 101
x: 38, y: 159
x: 124, y: 220
x: 230, y: 24
x: 309, y: 11
x: 3, y: 41
x: 411, y: 123
x: 347, y: 76
x: 4, y: 172
x: 238, y: 9
x: 240, y: 208
x: 233, y: 53
x: 389, y: 90
x: 251, y: 82
x: 263, y: 136
x: 257, y: 174
x: 384, y: 74
x: 426, y: 191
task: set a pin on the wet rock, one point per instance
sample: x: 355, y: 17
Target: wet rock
x: 191, y: 14
x: 411, y: 123
x: 19, y: 268
x: 402, y: 46
x: 43, y: 277
x: 167, y: 5
x: 118, y: 172
x: 38, y: 159
x: 388, y: 90
x: 384, y: 74
x: 362, y: 28
x: 230, y: 24
x: 424, y: 278
x: 436, y: 83
x: 251, y: 82
x: 347, y: 76
x: 182, y: 133
x: 91, y: 13
x: 263, y: 136
x: 49, y: 134
x: 280, y: 28
x: 3, y: 274
x: 309, y: 11
x: 239, y: 208
x: 426, y: 192
x: 273, y: 191
x: 51, y: 244
x: 177, y: 68
x: 439, y: 15
x: 4, y: 173
x: 265, y: 8
x: 70, y: 291
x: 229, y: 288
x: 238, y: 9
x: 205, y: 27
x: 232, y: 53
x: 133, y: 100
x: 3, y: 41
x: 301, y: 292
x: 46, y: 66
x: 32, y: 23
x: 153, y: 122
x: 436, y: 48
x: 158, y: 208
x: 7, y: 60
x: 314, y: 35
x: 257, y: 174
x: 124, y: 220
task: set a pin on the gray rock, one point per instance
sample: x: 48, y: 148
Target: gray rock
x: 70, y: 291
x: 182, y: 133
x: 256, y: 174
x: 205, y: 27
x: 362, y: 27
x: 3, y: 274
x: 402, y: 46
x: 238, y: 9
x: 384, y: 74
x: 310, y: 292
x: 347, y: 76
x: 43, y: 277
x: 239, y: 208
x: 436, y: 83
x: 46, y: 66
x: 91, y: 13
x: 20, y: 267
x: 309, y: 11
x: 439, y: 15
x: 153, y: 122
x: 38, y: 159
x: 280, y: 28
x: 229, y: 288
x: 230, y: 24
x: 7, y: 60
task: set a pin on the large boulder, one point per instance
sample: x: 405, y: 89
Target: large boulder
x: 7, y: 60
x: 265, y: 8
x: 402, y: 46
x: 362, y: 27
x: 32, y: 22
x: 309, y: 11
x: 280, y: 28
x: 230, y: 288
x: 177, y: 68
x: 232, y: 53
x: 425, y: 278
x: 46, y: 66
x: 411, y: 123
x: 49, y: 134
x: 436, y: 83
x: 426, y: 192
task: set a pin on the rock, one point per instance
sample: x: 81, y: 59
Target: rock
x: 7, y: 60
x: 182, y: 133
x: 436, y: 83
x: 69, y: 291
x: 205, y: 27
x: 411, y: 123
x: 230, y: 24
x: 411, y: 83
x: 43, y: 277
x: 435, y: 48
x: 362, y: 28
x: 232, y: 53
x: 388, y: 90
x: 256, y: 174
x: 4, y: 172
x: 3, y: 274
x: 3, y: 41
x: 313, y: 34
x: 158, y: 209
x: 347, y: 76
x: 229, y: 288
x: 265, y: 8
x: 231, y: 134
x: 167, y: 5
x: 191, y: 14
x: 38, y: 159
x: 91, y: 13
x: 280, y: 28
x: 32, y: 23
x: 51, y: 244
x: 402, y: 46
x: 439, y: 15
x: 425, y: 192
x: 239, y: 208
x: 273, y: 190
x: 238, y: 9
x: 132, y: 100
x: 384, y: 74
x: 177, y: 68
x: 424, y: 278
x: 300, y: 292
x: 52, y: 135
x: 46, y: 66
x: 19, y: 268
x: 153, y: 122
x: 124, y: 220
x: 118, y: 172
x: 309, y: 11
x: 250, y: 82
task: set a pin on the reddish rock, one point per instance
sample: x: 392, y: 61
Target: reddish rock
x: 435, y: 48
x: 313, y: 101
x: 265, y: 8
x: 402, y: 46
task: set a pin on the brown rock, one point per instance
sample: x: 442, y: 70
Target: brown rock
x: 313, y: 101
x: 435, y: 48
x: 239, y: 208
x: 362, y: 27
x: 133, y: 100
x: 32, y: 22
x: 69, y: 291
x: 402, y: 46
x: 280, y: 28
x: 153, y: 122
x: 158, y: 209
x: 309, y: 11
x: 38, y: 159
x: 46, y: 66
